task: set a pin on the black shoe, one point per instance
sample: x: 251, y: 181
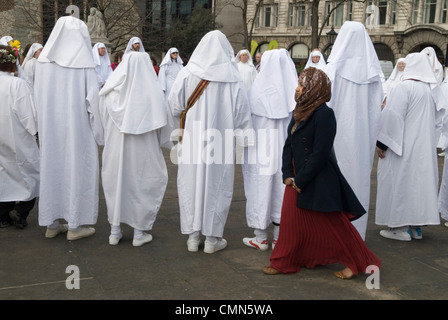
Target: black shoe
x: 5, y: 224
x: 17, y: 219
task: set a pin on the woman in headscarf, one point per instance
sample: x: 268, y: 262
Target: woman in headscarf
x: 272, y: 102
x: 132, y: 108
x: 395, y: 78
x: 169, y: 68
x: 316, y: 60
x: 246, y: 67
x: 318, y: 203
x: 29, y: 64
x: 407, y: 169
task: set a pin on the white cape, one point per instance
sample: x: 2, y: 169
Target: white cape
x: 19, y: 154
x: 408, y: 175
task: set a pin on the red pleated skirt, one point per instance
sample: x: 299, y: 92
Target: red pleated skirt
x: 308, y: 238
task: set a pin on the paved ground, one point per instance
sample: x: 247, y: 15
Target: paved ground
x: 34, y: 268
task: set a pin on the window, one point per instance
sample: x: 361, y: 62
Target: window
x: 429, y: 11
x: 327, y: 11
x: 444, y: 9
x: 291, y: 15
x: 393, y: 12
x: 301, y: 14
x: 415, y: 6
x: 382, y: 7
x: 270, y: 16
x: 349, y: 10
x: 338, y: 14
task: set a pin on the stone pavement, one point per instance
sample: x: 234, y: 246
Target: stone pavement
x: 35, y: 268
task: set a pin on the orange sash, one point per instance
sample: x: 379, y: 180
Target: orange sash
x: 191, y: 101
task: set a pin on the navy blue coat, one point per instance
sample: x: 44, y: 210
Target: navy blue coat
x: 309, y: 151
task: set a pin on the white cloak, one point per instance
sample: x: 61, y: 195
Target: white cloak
x: 356, y: 97
x: 408, y: 175
x: 271, y: 99
x: 134, y: 173
x: 65, y: 102
x: 167, y: 74
x: 19, y: 153
x: 206, y: 166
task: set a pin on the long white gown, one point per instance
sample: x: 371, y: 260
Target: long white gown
x: 66, y: 97
x: 206, y: 156
x: 271, y: 98
x: 19, y: 154
x: 357, y: 94
x: 134, y: 173
x: 408, y: 175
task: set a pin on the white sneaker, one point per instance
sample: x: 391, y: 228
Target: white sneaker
x: 51, y: 233
x: 145, y: 239
x: 416, y: 232
x: 193, y: 245
x: 83, y: 233
x: 113, y: 240
x: 214, y: 247
x: 446, y: 224
x: 253, y: 243
x: 402, y: 234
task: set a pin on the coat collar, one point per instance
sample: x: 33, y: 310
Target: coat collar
x: 302, y: 124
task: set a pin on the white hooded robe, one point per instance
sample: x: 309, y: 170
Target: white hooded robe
x: 408, y: 175
x: 66, y: 97
x: 207, y: 164
x: 357, y: 93
x: 134, y: 173
x: 271, y: 99
x: 19, y: 154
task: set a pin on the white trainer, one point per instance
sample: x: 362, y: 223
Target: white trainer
x: 193, y: 245
x: 83, y: 233
x: 210, y: 247
x: 113, y: 240
x: 51, y: 233
x: 416, y: 232
x: 253, y: 243
x: 141, y: 241
x: 402, y: 234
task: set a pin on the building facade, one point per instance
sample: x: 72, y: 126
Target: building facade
x: 395, y: 27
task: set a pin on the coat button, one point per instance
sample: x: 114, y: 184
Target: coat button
x: 303, y: 139
x: 306, y: 159
x: 305, y: 150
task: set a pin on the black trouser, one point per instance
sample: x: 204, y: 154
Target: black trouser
x: 22, y: 207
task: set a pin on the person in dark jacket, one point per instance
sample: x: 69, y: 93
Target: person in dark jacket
x: 318, y: 204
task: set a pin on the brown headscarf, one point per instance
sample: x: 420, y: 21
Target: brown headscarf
x: 316, y: 90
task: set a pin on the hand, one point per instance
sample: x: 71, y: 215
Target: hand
x: 289, y: 181
x: 381, y: 153
x: 296, y: 188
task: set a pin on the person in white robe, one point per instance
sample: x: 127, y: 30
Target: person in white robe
x: 440, y: 95
x: 395, y: 77
x: 316, y: 60
x: 29, y: 63
x: 246, y: 67
x: 272, y: 102
x: 134, y: 173
x: 206, y: 154
x: 407, y: 169
x: 134, y: 44
x: 7, y: 41
x: 103, y: 66
x: 357, y: 95
x: 66, y: 98
x: 19, y: 153
x: 169, y: 68
x: 435, y: 64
